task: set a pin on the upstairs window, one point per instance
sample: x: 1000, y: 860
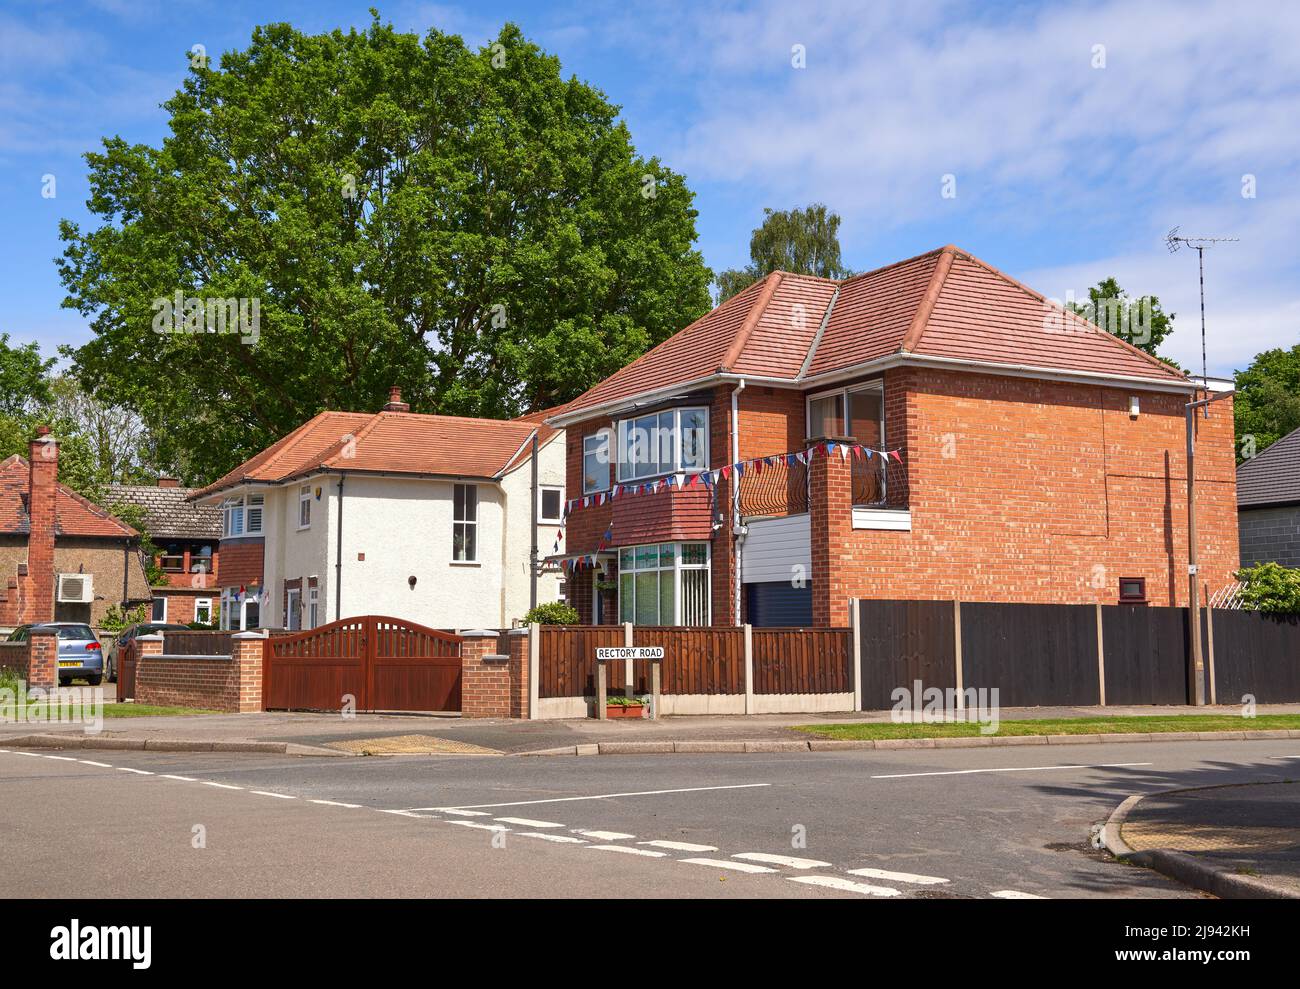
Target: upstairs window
x: 668, y: 442
x: 464, y: 523
x: 242, y: 515
x: 595, y: 463
x: 550, y: 505
x: 304, y: 507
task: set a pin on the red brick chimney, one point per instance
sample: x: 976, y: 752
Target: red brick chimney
x: 395, y: 403
x: 42, y: 490
x: 168, y: 482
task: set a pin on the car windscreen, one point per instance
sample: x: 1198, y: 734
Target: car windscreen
x: 81, y: 632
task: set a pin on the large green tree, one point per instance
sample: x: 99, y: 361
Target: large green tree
x: 24, y: 377
x: 1267, y: 404
x: 469, y: 225
x: 805, y: 241
x: 1141, y: 321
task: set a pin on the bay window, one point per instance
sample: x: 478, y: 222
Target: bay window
x: 668, y: 442
x: 241, y: 515
x: 664, y: 584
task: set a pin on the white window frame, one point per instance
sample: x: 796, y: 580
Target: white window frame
x: 313, y: 606
x: 203, y: 603
x: 591, y: 447
x: 467, y: 524
x: 153, y: 605
x: 236, y: 513
x: 292, y: 606
x: 304, y: 504
x: 874, y: 385
x: 542, y: 517
x: 678, y: 568
x: 628, y: 468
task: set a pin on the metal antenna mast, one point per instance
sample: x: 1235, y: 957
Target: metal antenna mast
x: 1173, y: 240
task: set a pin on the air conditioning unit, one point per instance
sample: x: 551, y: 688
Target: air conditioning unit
x: 76, y: 588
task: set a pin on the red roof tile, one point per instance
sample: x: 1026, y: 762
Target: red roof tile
x: 386, y: 442
x: 942, y: 304
x: 74, y: 515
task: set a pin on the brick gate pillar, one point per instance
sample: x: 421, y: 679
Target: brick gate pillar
x: 516, y: 647
x: 830, y: 517
x: 42, y: 659
x: 484, y: 676
x: 246, y: 652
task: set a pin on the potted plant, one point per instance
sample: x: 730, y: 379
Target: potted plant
x: 624, y: 707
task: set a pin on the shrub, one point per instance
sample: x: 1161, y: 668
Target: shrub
x: 552, y: 613
x: 116, y: 619
x: 1270, y: 587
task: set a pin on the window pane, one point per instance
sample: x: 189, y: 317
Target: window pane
x: 625, y: 559
x: 626, y: 598
x: 667, y: 614
x: 666, y: 442
x: 550, y: 503
x: 825, y: 417
x: 458, y: 502
x: 471, y: 503
x: 694, y: 439
x: 595, y: 463
x: 695, y: 554
x: 647, y: 599
x: 647, y: 557
x: 667, y: 553
x: 695, y: 597
x: 865, y: 417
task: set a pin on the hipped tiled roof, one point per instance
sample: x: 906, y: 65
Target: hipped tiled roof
x: 74, y: 515
x: 168, y: 512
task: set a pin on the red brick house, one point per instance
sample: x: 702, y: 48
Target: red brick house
x: 62, y: 558
x: 1033, y: 457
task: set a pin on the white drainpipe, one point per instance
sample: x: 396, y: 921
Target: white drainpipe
x: 736, y: 535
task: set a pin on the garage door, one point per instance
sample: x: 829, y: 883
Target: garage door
x: 779, y: 605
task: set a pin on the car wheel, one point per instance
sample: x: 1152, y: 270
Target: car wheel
x: 95, y: 681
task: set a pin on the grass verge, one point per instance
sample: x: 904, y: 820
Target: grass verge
x: 1060, y: 726
x: 36, y: 712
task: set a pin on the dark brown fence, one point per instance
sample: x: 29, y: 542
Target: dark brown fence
x: 566, y: 655
x: 803, y: 660
x: 697, y: 660
x: 197, y: 643
x: 1146, y: 654
x: 1257, y: 655
x: 1033, y: 653
x: 902, y: 642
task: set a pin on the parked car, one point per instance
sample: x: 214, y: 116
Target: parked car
x: 79, y: 654
x: 129, y: 633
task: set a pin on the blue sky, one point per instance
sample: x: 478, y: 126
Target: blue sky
x: 1066, y: 170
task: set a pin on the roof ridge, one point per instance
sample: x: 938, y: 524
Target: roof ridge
x: 817, y: 337
x: 329, y: 453
x: 773, y: 282
x: 921, y: 318
x: 1088, y: 324
x: 895, y: 264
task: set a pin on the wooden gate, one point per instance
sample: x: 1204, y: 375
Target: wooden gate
x: 384, y: 664
x: 124, y: 666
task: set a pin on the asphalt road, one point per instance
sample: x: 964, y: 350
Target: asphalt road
x: 1003, y: 822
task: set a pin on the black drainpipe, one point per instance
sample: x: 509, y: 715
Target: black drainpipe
x: 338, y: 561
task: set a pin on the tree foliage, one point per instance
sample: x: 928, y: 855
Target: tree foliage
x: 468, y: 225
x: 1140, y: 321
x: 1267, y: 403
x: 1270, y: 587
x: 805, y: 241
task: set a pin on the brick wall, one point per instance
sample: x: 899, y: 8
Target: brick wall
x: 241, y: 564
x: 231, y: 684
x: 1270, y: 535
x: 43, y: 660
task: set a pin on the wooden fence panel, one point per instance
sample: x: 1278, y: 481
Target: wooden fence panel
x: 698, y: 660
x: 566, y: 658
x: 1256, y: 654
x: 197, y: 643
x: 1034, y: 654
x: 902, y: 642
x: 1146, y: 654
x: 803, y: 660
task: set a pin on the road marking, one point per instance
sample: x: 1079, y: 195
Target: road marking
x: 34, y: 755
x: 848, y: 885
x: 463, y: 813
x: 334, y: 803
x: 630, y: 851
x: 91, y: 762
x: 897, y: 877
x: 680, y: 846
x: 1015, y: 894
x: 563, y: 838
x: 183, y: 779
x: 140, y: 772
x: 221, y: 786
x: 605, y: 835
x: 600, y: 796
x: 407, y: 813
x: 724, y: 864
x: 788, y: 860
x: 481, y: 827
x: 529, y: 824
x: 62, y: 758
x: 268, y: 793
x: 1010, y: 769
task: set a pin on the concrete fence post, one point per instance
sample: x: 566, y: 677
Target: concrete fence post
x: 600, y: 690
x: 855, y: 620
x: 749, y: 668
x: 629, y: 673
x: 534, y: 668
x: 958, y: 673
x: 1101, y: 660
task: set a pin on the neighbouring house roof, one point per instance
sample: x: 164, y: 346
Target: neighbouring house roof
x: 73, y: 514
x: 1272, y: 477
x: 386, y: 443
x: 946, y: 305
x: 168, y: 512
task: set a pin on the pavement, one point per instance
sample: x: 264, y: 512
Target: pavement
x: 1239, y: 840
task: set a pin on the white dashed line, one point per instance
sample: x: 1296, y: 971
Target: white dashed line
x: 145, y: 772
x: 529, y: 824
x: 786, y: 860
x: 183, y: 779
x: 897, y: 877
x: 605, y: 835
x: 847, y: 885
x: 62, y: 758
x: 680, y: 846
x: 220, y: 786
x: 457, y: 811
x: 1015, y: 894
x: 34, y: 755
x: 561, y: 838
x: 335, y: 803
x: 268, y: 793
x: 91, y: 762
x: 481, y: 827
x: 644, y: 852
x: 724, y: 864
x: 605, y: 796
x: 1010, y: 769
x: 407, y: 813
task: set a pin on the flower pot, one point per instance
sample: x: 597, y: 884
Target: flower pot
x: 620, y: 711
